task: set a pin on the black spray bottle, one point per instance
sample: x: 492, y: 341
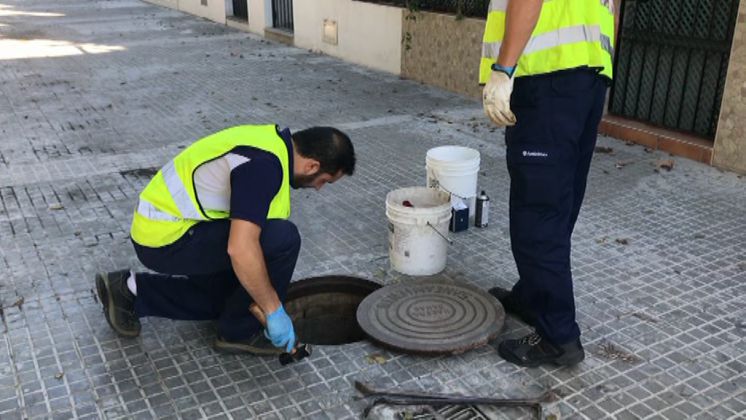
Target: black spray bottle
x: 482, y: 211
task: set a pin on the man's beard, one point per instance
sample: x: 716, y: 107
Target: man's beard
x: 304, y: 181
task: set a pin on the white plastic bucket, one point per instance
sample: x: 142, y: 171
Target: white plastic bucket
x: 454, y: 169
x: 418, y: 242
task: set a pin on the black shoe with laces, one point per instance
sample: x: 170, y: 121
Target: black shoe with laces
x: 119, y: 302
x: 532, y: 350
x: 258, y: 345
x: 511, y: 306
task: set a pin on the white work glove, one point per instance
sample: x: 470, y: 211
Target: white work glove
x: 496, y: 99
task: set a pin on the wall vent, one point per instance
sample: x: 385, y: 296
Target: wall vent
x: 330, y: 31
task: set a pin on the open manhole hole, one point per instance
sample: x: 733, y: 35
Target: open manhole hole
x: 324, y: 308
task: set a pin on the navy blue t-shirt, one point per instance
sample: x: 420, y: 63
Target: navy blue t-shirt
x: 256, y: 182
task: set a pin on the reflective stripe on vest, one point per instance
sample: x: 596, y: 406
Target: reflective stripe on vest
x: 147, y: 210
x: 568, y: 34
x: 179, y: 193
x: 556, y: 38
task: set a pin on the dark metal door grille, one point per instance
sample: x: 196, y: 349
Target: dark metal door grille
x: 671, y: 62
x: 241, y: 9
x: 282, y: 14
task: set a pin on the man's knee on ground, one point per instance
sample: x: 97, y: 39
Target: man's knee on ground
x: 279, y: 237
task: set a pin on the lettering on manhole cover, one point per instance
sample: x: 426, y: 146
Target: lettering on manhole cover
x: 440, y: 317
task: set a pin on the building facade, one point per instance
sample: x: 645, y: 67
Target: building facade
x: 680, y: 81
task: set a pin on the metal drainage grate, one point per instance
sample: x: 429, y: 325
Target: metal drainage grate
x: 451, y: 412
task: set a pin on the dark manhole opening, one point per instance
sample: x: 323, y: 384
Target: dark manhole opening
x: 324, y: 308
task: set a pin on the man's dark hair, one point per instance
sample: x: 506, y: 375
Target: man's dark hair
x: 331, y: 147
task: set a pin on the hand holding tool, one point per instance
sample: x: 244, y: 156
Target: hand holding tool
x: 496, y: 99
x: 279, y: 329
x: 294, y: 351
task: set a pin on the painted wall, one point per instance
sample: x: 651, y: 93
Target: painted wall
x: 368, y: 34
x: 442, y: 51
x: 730, y: 140
x: 215, y: 9
x: 260, y: 15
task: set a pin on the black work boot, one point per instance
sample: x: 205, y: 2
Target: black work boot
x: 511, y: 305
x: 532, y: 350
x: 257, y: 345
x: 119, y: 302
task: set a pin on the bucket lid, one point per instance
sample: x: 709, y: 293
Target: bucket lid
x: 431, y: 316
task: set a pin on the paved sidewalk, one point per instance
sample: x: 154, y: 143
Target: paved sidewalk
x: 94, y: 94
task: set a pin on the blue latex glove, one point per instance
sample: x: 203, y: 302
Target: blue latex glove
x: 280, y: 329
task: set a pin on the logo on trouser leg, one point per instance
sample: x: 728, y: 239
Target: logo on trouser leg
x: 535, y: 154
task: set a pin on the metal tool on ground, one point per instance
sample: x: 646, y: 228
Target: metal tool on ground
x: 301, y: 351
x: 421, y: 398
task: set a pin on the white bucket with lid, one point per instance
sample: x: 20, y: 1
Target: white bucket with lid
x: 418, y: 243
x: 454, y: 169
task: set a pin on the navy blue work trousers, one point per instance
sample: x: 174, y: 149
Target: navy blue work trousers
x: 549, y: 152
x: 195, y: 278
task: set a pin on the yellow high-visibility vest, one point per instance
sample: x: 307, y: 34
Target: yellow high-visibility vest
x: 169, y: 205
x: 568, y: 34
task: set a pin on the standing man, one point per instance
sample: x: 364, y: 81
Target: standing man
x: 546, y: 65
x: 213, y: 224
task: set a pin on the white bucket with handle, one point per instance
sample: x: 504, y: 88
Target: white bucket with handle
x: 418, y: 235
x: 454, y: 169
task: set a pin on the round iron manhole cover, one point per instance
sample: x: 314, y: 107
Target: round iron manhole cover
x: 437, y: 317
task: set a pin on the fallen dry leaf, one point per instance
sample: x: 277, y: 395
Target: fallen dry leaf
x: 645, y: 317
x: 56, y: 206
x: 375, y: 359
x: 622, y: 163
x: 610, y: 351
x: 605, y: 150
x: 666, y: 164
x: 18, y: 303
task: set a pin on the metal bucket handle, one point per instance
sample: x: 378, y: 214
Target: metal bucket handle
x: 445, y: 238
